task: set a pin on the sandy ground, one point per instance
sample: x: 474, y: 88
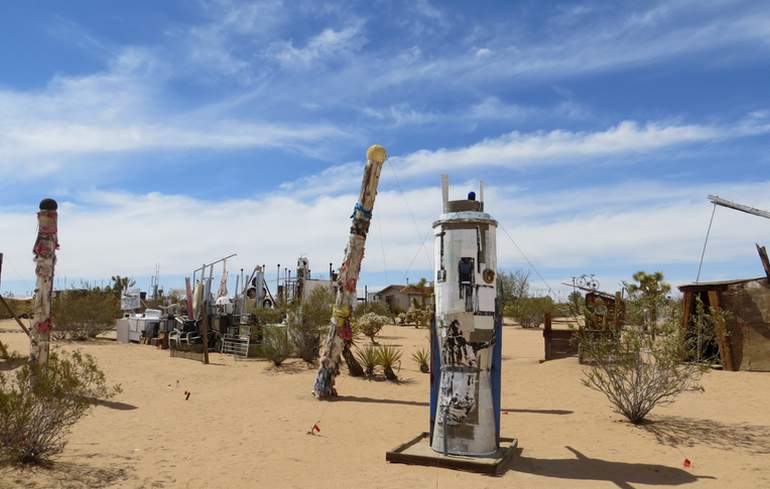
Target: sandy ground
x: 245, y: 426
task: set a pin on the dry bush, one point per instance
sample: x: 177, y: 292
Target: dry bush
x: 81, y: 314
x: 637, y: 370
x: 38, y: 405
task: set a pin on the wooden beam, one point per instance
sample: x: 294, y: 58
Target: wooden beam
x: 763, y: 257
x: 723, y: 337
x: 715, y: 199
x: 12, y: 313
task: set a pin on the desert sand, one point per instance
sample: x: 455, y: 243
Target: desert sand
x: 245, y: 425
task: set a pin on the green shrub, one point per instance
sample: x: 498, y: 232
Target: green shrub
x: 38, y: 405
x: 81, y: 314
x: 266, y: 315
x: 378, y: 308
x: 388, y: 357
x: 529, y: 311
x: 419, y: 315
x: 275, y: 344
x: 22, y: 308
x: 422, y: 359
x: 370, y: 325
x: 368, y: 358
x: 309, y: 322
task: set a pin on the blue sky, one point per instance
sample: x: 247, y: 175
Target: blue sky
x: 177, y: 132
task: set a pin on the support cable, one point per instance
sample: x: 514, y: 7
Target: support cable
x: 414, y: 221
x: 526, y: 258
x: 705, y: 243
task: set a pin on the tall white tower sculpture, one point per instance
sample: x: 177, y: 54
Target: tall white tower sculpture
x: 466, y: 404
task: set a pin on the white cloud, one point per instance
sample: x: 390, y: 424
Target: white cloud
x: 328, y: 43
x: 651, y: 224
x: 560, y: 147
x: 597, y: 44
x: 124, y: 110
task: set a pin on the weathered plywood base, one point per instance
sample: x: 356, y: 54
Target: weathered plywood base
x: 419, y: 452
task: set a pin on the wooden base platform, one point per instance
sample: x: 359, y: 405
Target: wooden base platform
x: 419, y: 452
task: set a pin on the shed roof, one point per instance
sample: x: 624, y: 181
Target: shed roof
x: 717, y: 283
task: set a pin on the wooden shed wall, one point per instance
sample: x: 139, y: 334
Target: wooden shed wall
x: 748, y: 322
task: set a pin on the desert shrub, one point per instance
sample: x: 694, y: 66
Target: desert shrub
x: 647, y: 295
x: 368, y: 359
x: 275, y: 344
x: 309, y: 322
x: 266, y: 315
x: 370, y: 325
x: 512, y: 286
x: 529, y: 311
x: 388, y: 357
x: 22, y: 308
x: 637, y: 370
x: 575, y: 303
x: 418, y: 314
x: 39, y: 405
x: 80, y: 314
x: 422, y: 359
x: 378, y: 308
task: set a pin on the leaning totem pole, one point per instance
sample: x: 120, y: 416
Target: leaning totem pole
x: 46, y: 244
x: 340, y: 333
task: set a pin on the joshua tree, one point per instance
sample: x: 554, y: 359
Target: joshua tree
x: 119, y: 284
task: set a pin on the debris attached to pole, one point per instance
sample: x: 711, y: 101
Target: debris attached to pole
x: 340, y: 333
x: 46, y: 244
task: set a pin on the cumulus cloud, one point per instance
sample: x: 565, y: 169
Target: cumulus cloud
x: 651, y: 223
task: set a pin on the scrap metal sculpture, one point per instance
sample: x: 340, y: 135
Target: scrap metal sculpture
x: 340, y: 334
x: 46, y: 244
x: 465, y: 405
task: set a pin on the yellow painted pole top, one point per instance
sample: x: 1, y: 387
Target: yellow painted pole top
x: 376, y: 153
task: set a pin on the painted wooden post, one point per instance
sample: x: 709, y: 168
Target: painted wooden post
x: 547, y: 335
x: 340, y: 333
x: 205, y: 312
x: 46, y: 244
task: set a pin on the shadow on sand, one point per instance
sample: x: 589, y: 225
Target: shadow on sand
x: 622, y: 474
x: 677, y: 431
x: 12, y: 363
x: 66, y: 475
x: 295, y: 367
x: 558, y: 412
x: 120, y: 406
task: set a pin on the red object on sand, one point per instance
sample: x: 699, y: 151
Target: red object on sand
x: 316, y: 428
x: 687, y: 464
